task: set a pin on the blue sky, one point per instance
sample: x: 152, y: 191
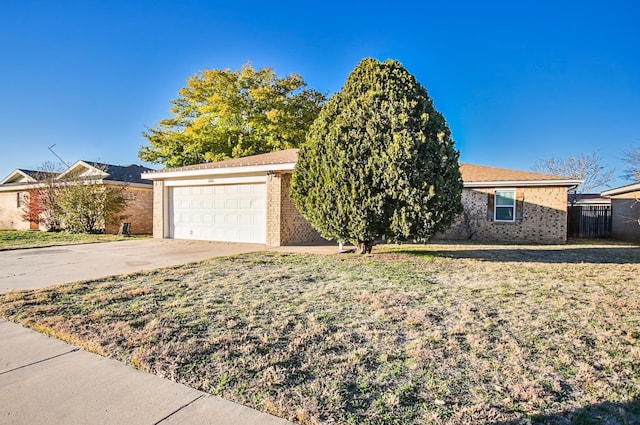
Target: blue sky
x: 518, y: 81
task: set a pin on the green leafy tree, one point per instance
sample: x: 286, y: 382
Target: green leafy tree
x: 87, y: 207
x: 230, y: 114
x: 74, y: 203
x: 378, y: 160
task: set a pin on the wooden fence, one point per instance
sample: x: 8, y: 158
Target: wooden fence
x: 589, y: 221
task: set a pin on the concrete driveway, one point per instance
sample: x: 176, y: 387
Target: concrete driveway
x: 40, y: 267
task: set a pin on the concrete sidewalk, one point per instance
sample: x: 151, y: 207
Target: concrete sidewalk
x: 46, y: 381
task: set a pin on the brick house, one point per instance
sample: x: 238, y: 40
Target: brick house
x: 14, y: 193
x: 625, y: 212
x: 247, y: 200
x: 502, y: 205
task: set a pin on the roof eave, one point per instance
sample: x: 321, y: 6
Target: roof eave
x: 522, y: 183
x: 19, y: 172
x: 20, y: 187
x: 242, y: 169
x: 620, y: 190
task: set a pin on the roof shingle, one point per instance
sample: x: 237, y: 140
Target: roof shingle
x: 482, y: 173
x: 123, y: 173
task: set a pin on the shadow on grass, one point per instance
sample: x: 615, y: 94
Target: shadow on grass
x: 526, y: 254
x: 602, y: 413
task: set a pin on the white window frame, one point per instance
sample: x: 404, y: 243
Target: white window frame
x: 21, y: 199
x: 496, y: 206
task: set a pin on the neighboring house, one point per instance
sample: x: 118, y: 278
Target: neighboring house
x: 13, y: 197
x: 247, y: 200
x: 625, y: 212
x: 588, y: 200
x: 14, y: 190
x: 589, y: 216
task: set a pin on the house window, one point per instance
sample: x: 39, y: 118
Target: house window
x: 21, y: 199
x: 505, y: 205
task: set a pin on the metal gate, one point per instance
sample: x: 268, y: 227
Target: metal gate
x: 589, y: 221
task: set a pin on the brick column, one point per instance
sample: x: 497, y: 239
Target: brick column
x: 274, y: 212
x: 158, y: 209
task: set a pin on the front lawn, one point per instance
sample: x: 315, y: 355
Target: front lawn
x: 412, y: 334
x: 19, y: 239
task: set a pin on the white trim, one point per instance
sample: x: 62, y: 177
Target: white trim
x: 522, y: 183
x: 217, y: 181
x: 38, y: 185
x: 21, y: 173
x: 20, y: 187
x: 620, y: 190
x: 86, y: 166
x: 242, y: 169
x: 593, y: 202
x: 166, y: 219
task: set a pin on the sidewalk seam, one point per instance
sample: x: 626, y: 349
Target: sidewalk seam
x: 179, y: 409
x: 39, y: 361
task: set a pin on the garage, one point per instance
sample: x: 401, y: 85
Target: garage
x: 225, y: 213
x: 236, y: 200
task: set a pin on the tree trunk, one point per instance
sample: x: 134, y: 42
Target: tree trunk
x: 365, y: 247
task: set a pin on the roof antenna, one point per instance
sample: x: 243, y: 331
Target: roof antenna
x: 57, y: 156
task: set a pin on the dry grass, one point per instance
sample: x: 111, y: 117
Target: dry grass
x: 20, y: 239
x: 412, y: 334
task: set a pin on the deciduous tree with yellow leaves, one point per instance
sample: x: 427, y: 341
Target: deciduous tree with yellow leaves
x: 228, y: 113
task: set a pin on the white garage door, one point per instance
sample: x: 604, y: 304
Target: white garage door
x: 229, y: 213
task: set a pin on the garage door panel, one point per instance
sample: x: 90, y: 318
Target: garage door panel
x: 234, y: 213
x: 246, y: 219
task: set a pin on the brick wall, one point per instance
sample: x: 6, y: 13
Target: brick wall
x: 10, y: 214
x: 139, y: 212
x: 285, y: 224
x: 625, y: 213
x: 544, y: 218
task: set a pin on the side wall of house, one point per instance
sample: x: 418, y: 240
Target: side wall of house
x: 10, y: 214
x: 139, y: 212
x: 544, y: 217
x: 285, y: 224
x: 625, y: 213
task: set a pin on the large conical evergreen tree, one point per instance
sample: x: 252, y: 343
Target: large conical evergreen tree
x: 378, y: 160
